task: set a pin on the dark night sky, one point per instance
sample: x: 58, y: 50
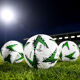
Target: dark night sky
x: 41, y: 16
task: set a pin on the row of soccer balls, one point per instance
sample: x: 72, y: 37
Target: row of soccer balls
x: 40, y: 51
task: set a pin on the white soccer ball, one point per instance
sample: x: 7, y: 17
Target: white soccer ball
x: 69, y: 51
x: 12, y: 51
x: 41, y: 51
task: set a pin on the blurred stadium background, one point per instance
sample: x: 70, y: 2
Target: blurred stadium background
x: 73, y: 36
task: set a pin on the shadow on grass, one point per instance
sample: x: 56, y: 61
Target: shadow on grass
x: 17, y: 67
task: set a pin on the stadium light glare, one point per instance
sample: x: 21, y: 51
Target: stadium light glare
x: 7, y: 15
x: 54, y: 38
x: 78, y: 36
x: 72, y: 36
x: 60, y: 37
x: 66, y: 37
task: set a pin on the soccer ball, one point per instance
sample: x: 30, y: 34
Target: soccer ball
x: 69, y: 51
x: 12, y: 51
x: 41, y: 51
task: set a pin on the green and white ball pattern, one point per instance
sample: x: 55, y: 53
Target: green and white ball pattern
x: 12, y: 51
x: 41, y: 51
x: 69, y: 51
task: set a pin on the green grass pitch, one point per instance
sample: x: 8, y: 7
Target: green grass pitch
x: 21, y: 71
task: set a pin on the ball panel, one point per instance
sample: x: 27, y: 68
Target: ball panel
x: 69, y: 51
x: 41, y: 50
x: 12, y: 49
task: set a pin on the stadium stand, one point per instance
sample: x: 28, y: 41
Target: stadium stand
x: 73, y: 36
